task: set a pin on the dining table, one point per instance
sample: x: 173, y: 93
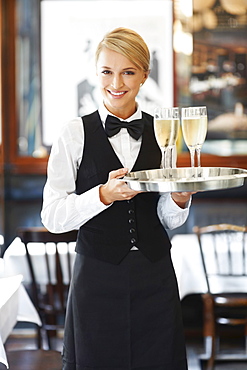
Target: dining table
x: 188, y: 266
x: 185, y: 255
x: 15, y: 305
x: 16, y: 262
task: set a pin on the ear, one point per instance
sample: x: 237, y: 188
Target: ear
x: 145, y: 76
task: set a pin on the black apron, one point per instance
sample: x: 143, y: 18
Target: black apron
x: 124, y: 317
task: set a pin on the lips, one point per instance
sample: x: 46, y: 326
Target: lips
x: 117, y: 94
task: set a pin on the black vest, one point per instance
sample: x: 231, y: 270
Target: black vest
x: 111, y: 234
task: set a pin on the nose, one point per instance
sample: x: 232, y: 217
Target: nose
x: 117, y: 81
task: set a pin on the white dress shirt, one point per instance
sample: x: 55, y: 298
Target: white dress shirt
x: 63, y: 210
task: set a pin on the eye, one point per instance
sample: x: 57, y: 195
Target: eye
x: 106, y: 72
x: 129, y: 73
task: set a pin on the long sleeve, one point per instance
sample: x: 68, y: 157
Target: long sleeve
x: 170, y: 214
x: 63, y: 210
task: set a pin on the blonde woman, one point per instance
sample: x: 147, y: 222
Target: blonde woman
x: 123, y: 309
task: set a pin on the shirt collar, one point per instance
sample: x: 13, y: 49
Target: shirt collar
x: 103, y: 112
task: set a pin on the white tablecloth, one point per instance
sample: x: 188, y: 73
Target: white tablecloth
x: 185, y: 256
x: 15, y: 261
x: 189, y: 269
x: 15, y: 305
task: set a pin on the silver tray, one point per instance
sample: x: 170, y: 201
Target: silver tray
x: 186, y: 179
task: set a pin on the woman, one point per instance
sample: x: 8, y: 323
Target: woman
x: 123, y: 309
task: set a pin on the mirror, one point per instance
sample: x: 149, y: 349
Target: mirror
x: 211, y: 70
x: 55, y: 47
x: 219, y: 73
x: 210, y: 64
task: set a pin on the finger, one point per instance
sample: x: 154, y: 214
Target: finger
x: 118, y: 173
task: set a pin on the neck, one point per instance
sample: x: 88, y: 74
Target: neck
x: 122, y: 113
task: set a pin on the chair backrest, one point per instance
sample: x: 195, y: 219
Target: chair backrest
x: 223, y: 249
x: 35, y: 235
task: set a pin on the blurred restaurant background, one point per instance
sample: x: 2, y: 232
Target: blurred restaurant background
x: 203, y: 62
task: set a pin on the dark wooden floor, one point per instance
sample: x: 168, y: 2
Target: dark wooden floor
x: 195, y: 350
x: 23, y: 340
x: 22, y: 354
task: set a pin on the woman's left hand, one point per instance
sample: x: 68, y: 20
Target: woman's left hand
x: 181, y: 198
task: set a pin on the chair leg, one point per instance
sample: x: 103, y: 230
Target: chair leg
x: 48, y: 336
x: 245, y: 333
x: 39, y: 338
x: 209, y: 345
x: 245, y: 339
x: 209, y: 330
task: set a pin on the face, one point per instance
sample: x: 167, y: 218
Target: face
x: 119, y: 81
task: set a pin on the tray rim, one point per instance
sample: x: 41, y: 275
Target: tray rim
x: 234, y: 180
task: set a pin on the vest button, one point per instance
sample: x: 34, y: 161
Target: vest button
x: 131, y: 220
x: 132, y: 231
x: 133, y: 240
x: 131, y: 211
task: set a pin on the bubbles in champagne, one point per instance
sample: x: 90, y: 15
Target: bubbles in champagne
x: 166, y: 131
x: 194, y: 130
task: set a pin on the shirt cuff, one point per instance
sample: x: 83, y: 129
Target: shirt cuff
x: 170, y: 214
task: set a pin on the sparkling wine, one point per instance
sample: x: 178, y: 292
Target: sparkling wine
x: 194, y: 130
x: 166, y: 131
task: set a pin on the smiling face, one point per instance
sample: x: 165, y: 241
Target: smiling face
x: 119, y: 81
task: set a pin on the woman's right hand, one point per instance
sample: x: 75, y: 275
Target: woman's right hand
x: 114, y: 189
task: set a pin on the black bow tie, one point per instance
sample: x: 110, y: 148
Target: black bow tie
x: 113, y: 125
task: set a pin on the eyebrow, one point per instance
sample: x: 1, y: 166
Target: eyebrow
x: 125, y: 69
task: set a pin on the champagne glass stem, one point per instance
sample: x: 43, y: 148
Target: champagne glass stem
x: 169, y: 155
x: 173, y: 156
x: 198, y: 153
x: 168, y: 158
x: 192, y: 156
x: 162, y: 165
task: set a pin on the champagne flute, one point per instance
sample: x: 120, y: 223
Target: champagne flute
x: 194, y: 127
x: 203, y: 133
x: 166, y: 127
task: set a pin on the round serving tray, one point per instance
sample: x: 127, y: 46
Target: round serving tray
x: 186, y: 179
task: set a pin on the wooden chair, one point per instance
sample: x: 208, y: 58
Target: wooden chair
x: 223, y: 250
x: 50, y: 298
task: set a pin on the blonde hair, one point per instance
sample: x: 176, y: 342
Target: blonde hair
x: 128, y: 43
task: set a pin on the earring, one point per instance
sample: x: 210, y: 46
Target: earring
x: 141, y: 84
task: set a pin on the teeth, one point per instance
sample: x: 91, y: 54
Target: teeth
x: 115, y: 93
